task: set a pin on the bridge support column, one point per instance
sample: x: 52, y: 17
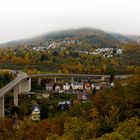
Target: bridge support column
x: 102, y: 78
x: 16, y: 91
x: 1, y: 111
x: 72, y: 80
x: 55, y: 80
x: 39, y: 81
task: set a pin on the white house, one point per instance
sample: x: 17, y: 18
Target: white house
x: 119, y: 51
x: 49, y: 86
x: 35, y: 115
x: 66, y: 86
x: 98, y: 87
x: 57, y: 88
x: 112, y: 84
x: 92, y: 85
x: 77, y: 85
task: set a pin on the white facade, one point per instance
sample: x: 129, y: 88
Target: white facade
x: 49, y: 86
x: 66, y: 86
x: 57, y: 88
x: 77, y: 86
x: 112, y: 84
x: 92, y: 86
x: 35, y: 116
x: 98, y: 87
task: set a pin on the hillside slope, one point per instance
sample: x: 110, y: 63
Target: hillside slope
x: 89, y: 35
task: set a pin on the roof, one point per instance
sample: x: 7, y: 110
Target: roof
x: 35, y: 107
x: 77, y: 83
x: 87, y: 84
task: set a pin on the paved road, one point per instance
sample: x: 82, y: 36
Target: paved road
x: 19, y: 77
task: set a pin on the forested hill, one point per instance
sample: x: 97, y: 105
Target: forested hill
x: 88, y: 35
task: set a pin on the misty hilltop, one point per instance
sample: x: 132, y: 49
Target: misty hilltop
x: 96, y: 37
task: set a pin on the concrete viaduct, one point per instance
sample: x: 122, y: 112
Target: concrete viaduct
x: 22, y: 83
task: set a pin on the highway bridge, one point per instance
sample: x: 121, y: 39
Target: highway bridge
x: 79, y: 75
x: 22, y: 83
x: 93, y: 77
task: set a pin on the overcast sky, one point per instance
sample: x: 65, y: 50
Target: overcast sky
x: 28, y: 18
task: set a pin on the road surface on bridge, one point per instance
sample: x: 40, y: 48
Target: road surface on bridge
x: 79, y: 75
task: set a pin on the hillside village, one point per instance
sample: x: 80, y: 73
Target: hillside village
x: 107, y: 52
x: 81, y: 90
x: 56, y: 45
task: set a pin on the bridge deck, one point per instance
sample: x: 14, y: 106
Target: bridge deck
x: 78, y: 75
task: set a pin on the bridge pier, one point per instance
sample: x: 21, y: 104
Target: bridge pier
x: 102, y: 78
x: 72, y: 80
x: 1, y: 111
x: 16, y: 92
x: 19, y: 85
x: 55, y: 80
x: 39, y: 81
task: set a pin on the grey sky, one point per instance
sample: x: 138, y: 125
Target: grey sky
x: 27, y: 18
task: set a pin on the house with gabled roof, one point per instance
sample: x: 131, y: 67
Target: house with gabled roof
x: 35, y: 112
x: 87, y: 85
x: 49, y: 85
x: 77, y: 85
